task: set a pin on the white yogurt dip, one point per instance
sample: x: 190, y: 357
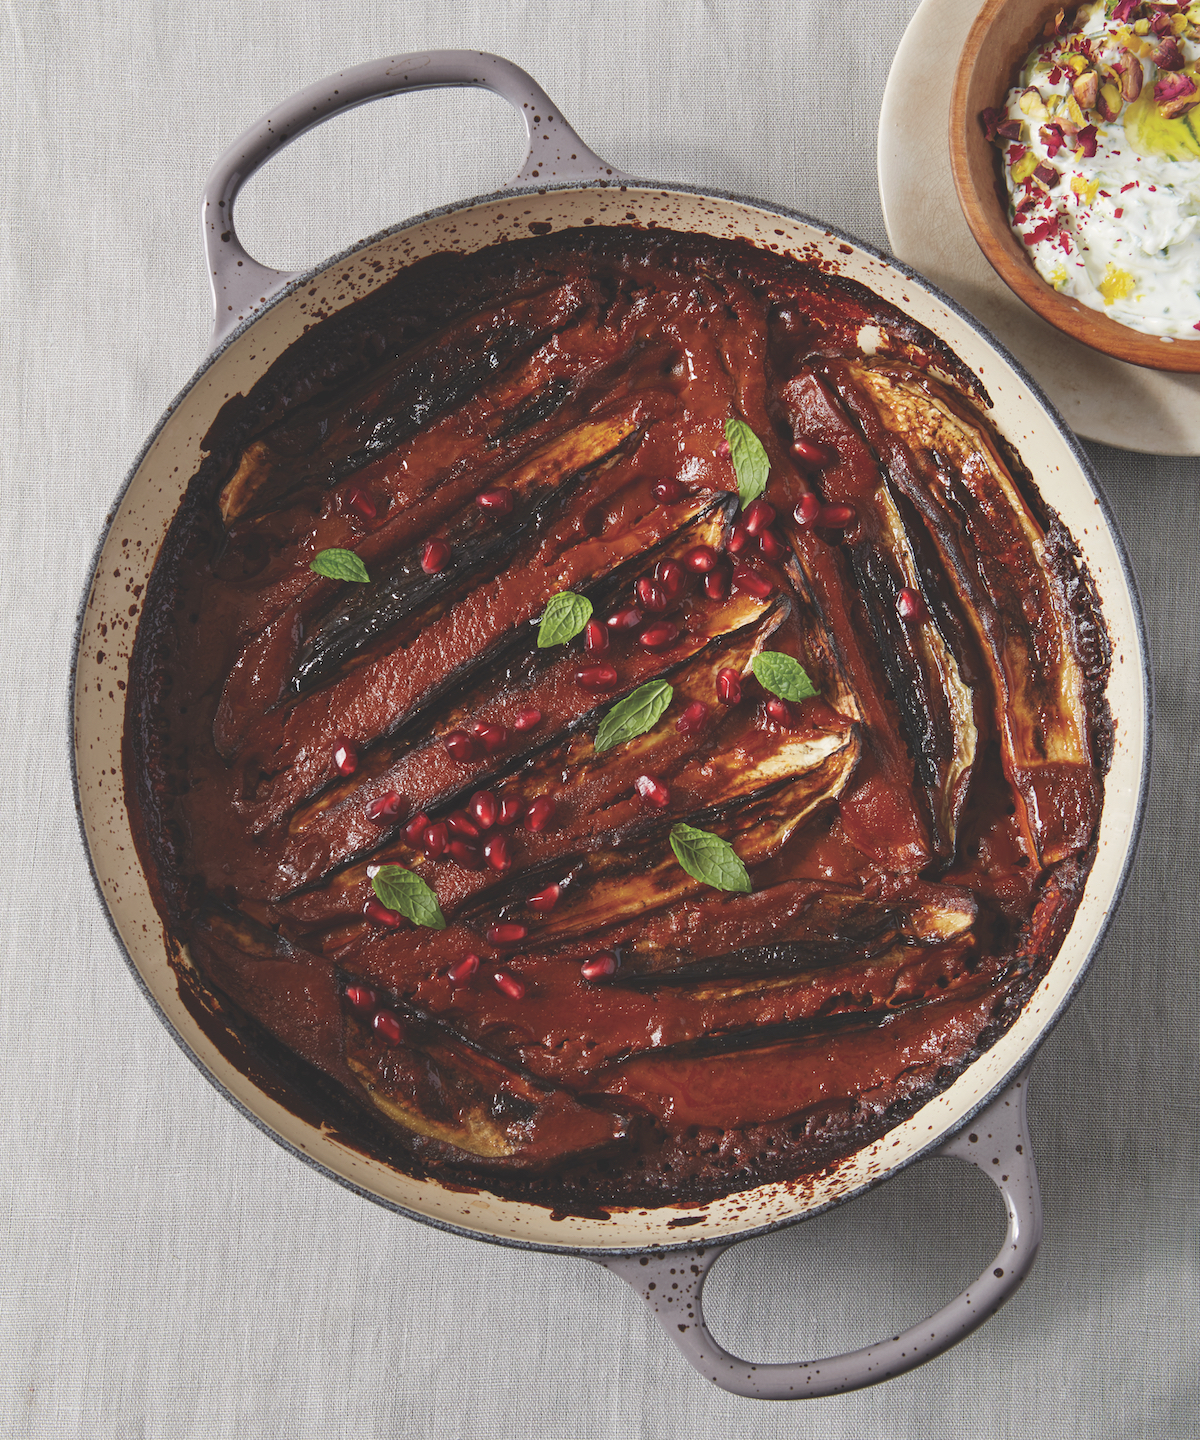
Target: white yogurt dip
x: 1106, y: 194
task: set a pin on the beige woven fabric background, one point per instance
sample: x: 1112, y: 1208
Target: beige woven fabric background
x: 168, y: 1271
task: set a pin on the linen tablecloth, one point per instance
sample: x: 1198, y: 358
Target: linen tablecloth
x: 169, y: 1271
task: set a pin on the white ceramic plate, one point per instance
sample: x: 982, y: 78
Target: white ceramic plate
x: 1100, y: 398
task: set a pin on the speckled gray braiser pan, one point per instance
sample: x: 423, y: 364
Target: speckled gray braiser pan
x: 665, y: 1253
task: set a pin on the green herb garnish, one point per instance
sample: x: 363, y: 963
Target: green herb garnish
x: 749, y: 460
x: 708, y: 858
x: 634, y: 715
x: 563, y: 618
x: 782, y: 676
x: 340, y: 565
x: 399, y: 889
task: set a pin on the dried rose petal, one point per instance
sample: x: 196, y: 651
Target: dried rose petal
x: 991, y: 119
x: 1124, y: 10
x: 1052, y: 138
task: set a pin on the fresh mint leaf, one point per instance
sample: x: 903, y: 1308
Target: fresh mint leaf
x: 782, y: 675
x: 563, y: 618
x: 749, y: 460
x: 340, y: 565
x: 634, y: 715
x: 708, y: 858
x: 399, y: 889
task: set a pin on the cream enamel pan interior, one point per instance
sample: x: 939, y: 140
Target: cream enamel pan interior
x: 111, y: 610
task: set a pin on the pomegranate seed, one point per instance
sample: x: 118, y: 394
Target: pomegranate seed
x: 651, y: 596
x: 491, y: 737
x: 538, y: 815
x: 598, y: 966
x: 716, y: 583
x: 511, y: 986
x: 729, y: 687
x: 700, y: 559
x: 387, y: 1025
x: 435, y: 840
x: 497, y: 852
x: 484, y: 809
x: 384, y: 808
x: 362, y: 997
x: 496, y: 502
x: 780, y: 711
x: 752, y: 582
x: 807, y: 511
x: 693, y: 718
x: 360, y: 501
x: 668, y: 491
x: 434, y: 556
x: 737, y: 539
x: 670, y: 575
x: 376, y: 910
x: 836, y: 517
x: 414, y: 831
x: 807, y: 451
x: 461, y: 746
x: 460, y: 974
x: 653, y: 790
x: 462, y: 824
x: 596, y: 678
x: 595, y: 635
x: 510, y: 809
x: 528, y: 720
x: 757, y: 516
x: 910, y: 605
x: 345, y: 758
x: 659, y: 635
x: 771, y: 545
x: 545, y: 900
x: 465, y: 853
x: 507, y: 932
x: 627, y: 619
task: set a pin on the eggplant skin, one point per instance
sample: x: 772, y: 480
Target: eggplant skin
x: 595, y: 1026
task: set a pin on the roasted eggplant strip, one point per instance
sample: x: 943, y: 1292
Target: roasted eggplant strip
x: 716, y: 1090
x: 397, y: 400
x: 613, y: 886
x: 290, y: 754
x: 850, y: 678
x: 935, y: 706
x: 947, y: 467
x: 836, y: 924
x: 447, y: 1091
x: 478, y: 547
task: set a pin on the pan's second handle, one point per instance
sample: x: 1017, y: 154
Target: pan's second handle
x: 241, y: 285
x: 673, y: 1283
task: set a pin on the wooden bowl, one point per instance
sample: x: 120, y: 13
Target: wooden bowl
x: 1002, y: 36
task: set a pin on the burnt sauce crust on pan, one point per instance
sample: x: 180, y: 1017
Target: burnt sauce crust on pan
x: 485, y: 432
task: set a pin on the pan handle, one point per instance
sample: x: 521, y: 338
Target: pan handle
x: 241, y: 286
x: 672, y: 1282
